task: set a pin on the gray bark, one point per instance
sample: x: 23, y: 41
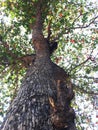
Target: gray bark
x: 30, y: 109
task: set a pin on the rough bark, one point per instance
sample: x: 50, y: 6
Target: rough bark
x: 43, y: 100
x: 30, y: 109
x: 45, y: 85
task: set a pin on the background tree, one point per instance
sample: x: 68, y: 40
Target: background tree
x: 75, y: 51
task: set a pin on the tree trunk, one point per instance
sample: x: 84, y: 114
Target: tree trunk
x: 43, y: 100
x: 30, y: 109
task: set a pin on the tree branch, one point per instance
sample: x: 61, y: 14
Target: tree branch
x: 82, y: 63
x: 37, y: 28
x: 82, y: 26
x: 26, y: 60
x: 77, y: 18
x: 77, y: 27
x: 49, y: 31
x: 85, y: 61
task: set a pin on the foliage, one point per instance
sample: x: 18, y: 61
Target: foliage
x: 73, y: 26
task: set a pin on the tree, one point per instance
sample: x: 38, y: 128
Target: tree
x: 43, y: 101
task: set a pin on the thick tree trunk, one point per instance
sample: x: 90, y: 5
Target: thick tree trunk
x: 43, y: 100
x: 30, y: 109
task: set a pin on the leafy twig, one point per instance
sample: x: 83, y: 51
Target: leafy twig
x: 82, y: 63
x: 82, y: 26
x: 82, y: 90
x: 77, y: 27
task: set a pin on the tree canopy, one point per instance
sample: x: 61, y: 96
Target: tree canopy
x: 70, y: 23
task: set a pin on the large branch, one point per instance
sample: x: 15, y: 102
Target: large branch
x: 40, y: 44
x: 26, y: 60
x: 38, y: 25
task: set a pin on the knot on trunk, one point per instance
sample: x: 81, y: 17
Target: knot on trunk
x: 62, y: 114
x: 62, y: 118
